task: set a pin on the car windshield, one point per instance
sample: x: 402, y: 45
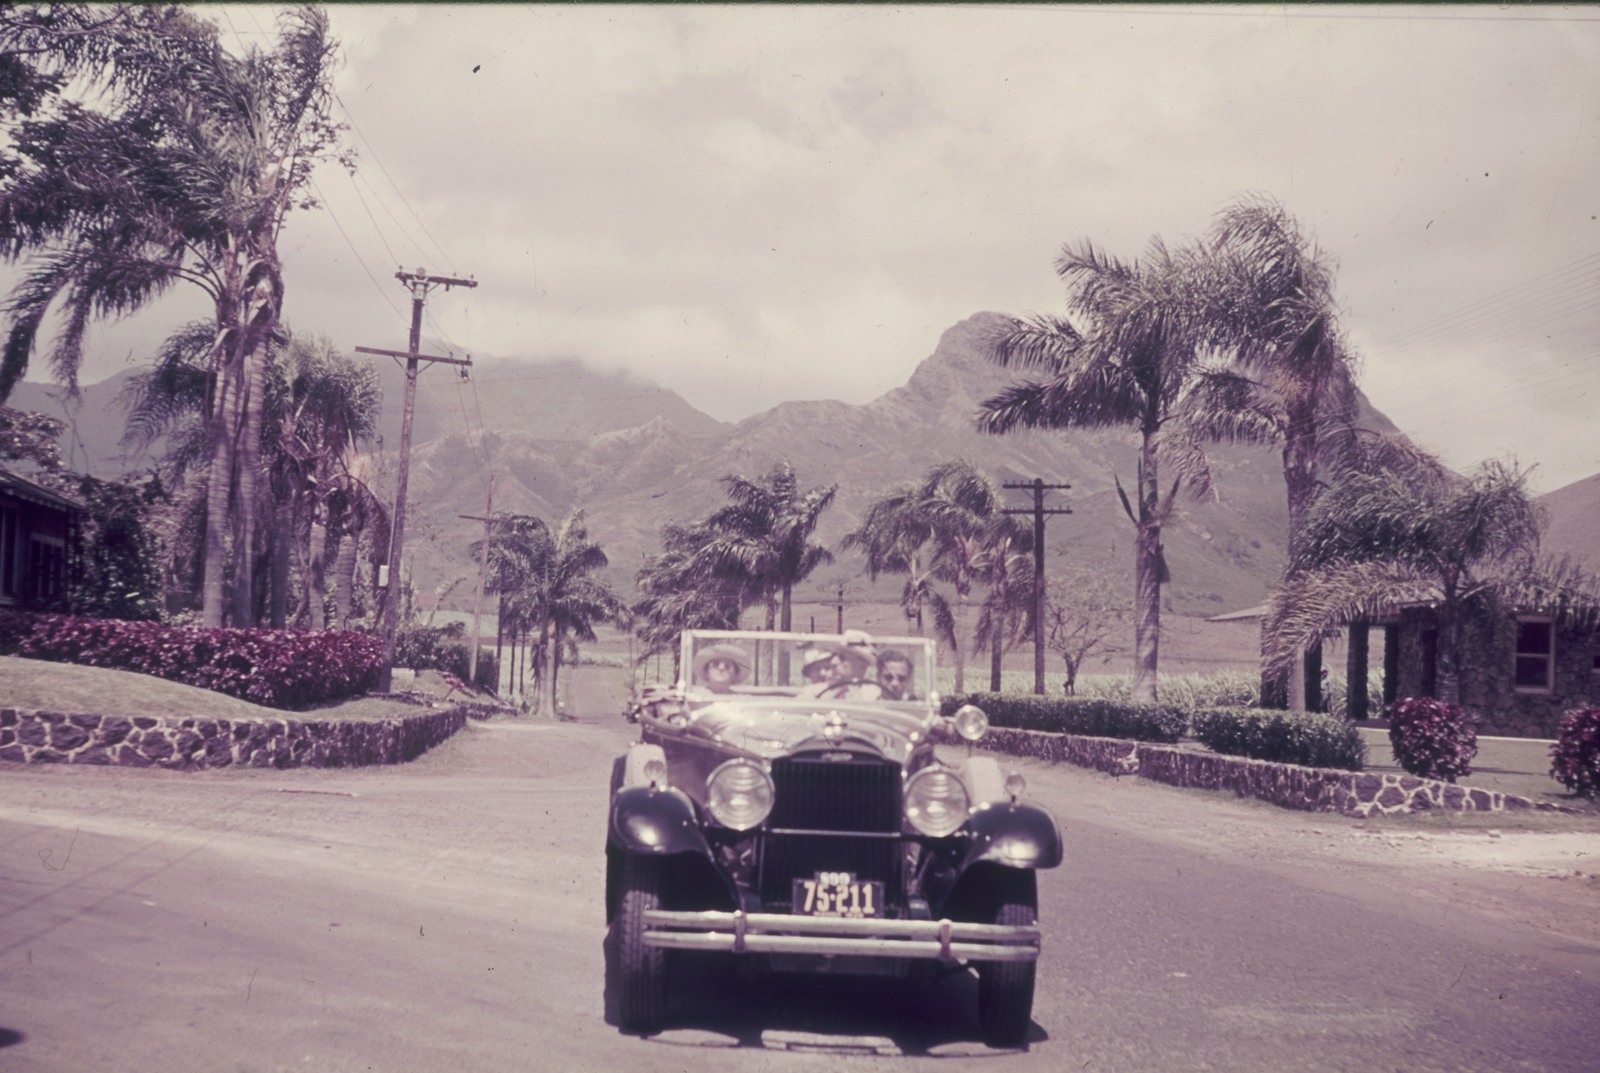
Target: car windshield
x: 848, y: 666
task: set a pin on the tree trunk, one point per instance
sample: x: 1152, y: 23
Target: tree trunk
x: 317, y: 569
x: 958, y: 633
x: 1147, y: 579
x: 247, y: 462
x: 219, y: 486
x: 282, y: 537
x: 994, y: 658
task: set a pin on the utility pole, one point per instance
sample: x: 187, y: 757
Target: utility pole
x: 1038, y: 511
x: 419, y: 283
x: 477, y: 602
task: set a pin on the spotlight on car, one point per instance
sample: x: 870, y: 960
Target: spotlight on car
x: 739, y: 794
x: 936, y: 801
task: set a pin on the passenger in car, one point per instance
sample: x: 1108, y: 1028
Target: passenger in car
x: 814, y: 665
x: 848, y: 668
x: 718, y: 668
x: 894, y: 675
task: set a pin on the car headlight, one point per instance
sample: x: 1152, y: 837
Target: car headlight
x: 739, y: 794
x: 936, y: 802
x: 971, y: 723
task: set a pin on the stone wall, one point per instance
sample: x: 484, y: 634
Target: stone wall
x: 1306, y: 789
x: 33, y: 737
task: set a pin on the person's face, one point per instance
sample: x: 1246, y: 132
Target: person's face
x: 894, y: 678
x: 838, y: 667
x: 720, y: 672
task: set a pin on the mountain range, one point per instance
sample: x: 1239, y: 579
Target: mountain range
x: 634, y: 456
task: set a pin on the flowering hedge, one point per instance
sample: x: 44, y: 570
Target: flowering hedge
x: 1307, y: 738
x: 276, y: 668
x: 1575, y: 757
x: 1091, y: 716
x: 1431, y: 739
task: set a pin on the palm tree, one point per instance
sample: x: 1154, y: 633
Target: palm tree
x: 937, y: 528
x: 1376, y: 541
x: 764, y: 536
x: 1130, y: 363
x: 677, y: 593
x: 1291, y: 379
x: 1006, y: 570
x: 513, y: 549
x: 186, y: 177
x: 565, y: 601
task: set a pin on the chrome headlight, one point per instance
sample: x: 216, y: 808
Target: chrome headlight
x: 971, y: 723
x: 739, y: 794
x: 936, y: 802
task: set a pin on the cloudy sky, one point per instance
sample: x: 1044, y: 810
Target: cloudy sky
x: 754, y: 204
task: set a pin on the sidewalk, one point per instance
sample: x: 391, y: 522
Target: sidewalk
x: 1511, y: 765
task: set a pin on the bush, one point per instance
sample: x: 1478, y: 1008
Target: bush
x: 1306, y: 738
x: 1575, y: 757
x: 14, y: 626
x: 1431, y: 739
x: 1091, y: 716
x: 276, y: 668
x: 445, y: 649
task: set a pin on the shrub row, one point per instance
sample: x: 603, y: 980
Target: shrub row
x: 1307, y: 738
x: 1090, y: 716
x: 276, y: 668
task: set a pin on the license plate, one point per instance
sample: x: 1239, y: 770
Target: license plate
x: 837, y: 894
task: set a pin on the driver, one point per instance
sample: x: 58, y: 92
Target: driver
x: 846, y: 678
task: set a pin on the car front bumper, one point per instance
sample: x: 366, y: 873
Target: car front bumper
x: 781, y: 933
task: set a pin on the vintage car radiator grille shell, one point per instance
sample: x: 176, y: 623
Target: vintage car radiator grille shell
x: 859, y: 797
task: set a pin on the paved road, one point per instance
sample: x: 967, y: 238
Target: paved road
x: 445, y: 916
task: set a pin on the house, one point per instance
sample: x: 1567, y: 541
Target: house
x: 1520, y: 671
x: 37, y: 527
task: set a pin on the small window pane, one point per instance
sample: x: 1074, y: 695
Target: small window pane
x: 1533, y: 638
x: 1533, y: 672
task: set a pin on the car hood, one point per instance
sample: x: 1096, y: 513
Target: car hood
x: 770, y: 729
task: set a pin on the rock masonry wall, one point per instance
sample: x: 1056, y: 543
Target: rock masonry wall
x: 34, y: 737
x: 1353, y: 793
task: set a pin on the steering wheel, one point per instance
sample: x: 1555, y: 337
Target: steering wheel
x: 843, y: 684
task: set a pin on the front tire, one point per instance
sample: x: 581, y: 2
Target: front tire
x: 641, y: 969
x: 1005, y: 988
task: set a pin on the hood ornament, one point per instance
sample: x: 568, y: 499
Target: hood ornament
x: 833, y: 728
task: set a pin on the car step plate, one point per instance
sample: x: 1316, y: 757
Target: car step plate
x: 821, y: 1043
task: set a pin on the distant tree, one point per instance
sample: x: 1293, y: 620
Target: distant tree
x: 1006, y: 572
x: 941, y: 524
x: 566, y: 601
x: 1130, y: 361
x: 1082, y: 611
x: 118, y: 553
x: 677, y: 592
x: 31, y: 438
x: 763, y: 537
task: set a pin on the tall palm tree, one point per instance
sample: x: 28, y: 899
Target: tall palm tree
x: 511, y: 553
x: 1376, y: 541
x: 1129, y: 361
x: 1291, y: 380
x: 183, y: 172
x: 764, y: 536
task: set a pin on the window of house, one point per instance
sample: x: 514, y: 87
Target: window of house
x: 8, y: 552
x: 47, y: 561
x: 1536, y: 650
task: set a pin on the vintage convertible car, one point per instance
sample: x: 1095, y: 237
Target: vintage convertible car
x: 797, y: 801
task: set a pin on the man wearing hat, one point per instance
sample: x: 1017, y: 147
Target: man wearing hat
x: 851, y: 659
x: 720, y: 667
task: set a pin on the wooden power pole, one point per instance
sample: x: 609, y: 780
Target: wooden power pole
x: 1038, y: 511
x: 419, y: 283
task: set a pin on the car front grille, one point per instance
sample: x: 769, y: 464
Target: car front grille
x: 832, y: 816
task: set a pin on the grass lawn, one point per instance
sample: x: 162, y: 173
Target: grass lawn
x: 64, y: 687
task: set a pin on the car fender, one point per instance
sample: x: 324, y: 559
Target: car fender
x: 1014, y: 835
